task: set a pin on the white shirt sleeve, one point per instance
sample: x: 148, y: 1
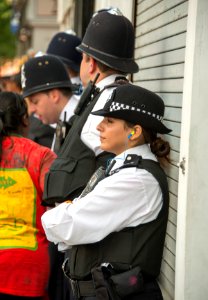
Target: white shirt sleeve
x: 90, y: 135
x: 127, y: 198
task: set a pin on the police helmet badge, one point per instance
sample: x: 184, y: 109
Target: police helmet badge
x: 23, y: 78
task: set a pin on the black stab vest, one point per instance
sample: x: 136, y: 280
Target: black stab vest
x: 134, y: 246
x: 75, y: 164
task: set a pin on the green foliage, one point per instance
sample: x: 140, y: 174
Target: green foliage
x: 8, y: 40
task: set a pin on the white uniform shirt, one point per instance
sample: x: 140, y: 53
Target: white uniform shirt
x: 69, y: 110
x: 127, y: 198
x: 76, y: 80
x: 90, y: 135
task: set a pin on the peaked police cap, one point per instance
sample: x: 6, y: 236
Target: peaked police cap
x: 109, y: 38
x: 44, y: 73
x: 63, y: 45
x: 136, y: 105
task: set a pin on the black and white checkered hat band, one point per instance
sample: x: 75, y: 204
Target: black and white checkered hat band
x: 115, y: 106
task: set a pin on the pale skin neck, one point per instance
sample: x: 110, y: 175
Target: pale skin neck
x: 94, y: 70
x: 62, y: 103
x: 101, y: 76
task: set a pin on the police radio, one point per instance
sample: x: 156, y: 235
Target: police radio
x: 62, y: 129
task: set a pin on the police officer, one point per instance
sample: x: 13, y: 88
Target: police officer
x: 117, y: 230
x: 63, y: 45
x: 107, y: 50
x: 47, y: 86
x: 111, y: 58
x: 38, y: 132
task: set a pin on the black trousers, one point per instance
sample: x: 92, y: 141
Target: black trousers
x: 58, y: 287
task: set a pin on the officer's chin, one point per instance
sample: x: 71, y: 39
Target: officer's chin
x: 105, y: 147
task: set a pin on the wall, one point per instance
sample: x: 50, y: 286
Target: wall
x: 160, y: 53
x: 41, y: 17
x: 66, y: 14
x: 192, y: 238
x: 126, y: 7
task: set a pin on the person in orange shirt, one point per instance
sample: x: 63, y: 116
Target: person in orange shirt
x: 24, y: 258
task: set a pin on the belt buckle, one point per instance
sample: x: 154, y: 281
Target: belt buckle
x: 75, y: 288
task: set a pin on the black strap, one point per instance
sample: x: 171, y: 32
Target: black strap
x: 82, y: 288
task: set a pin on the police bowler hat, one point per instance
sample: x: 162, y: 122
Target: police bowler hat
x: 109, y: 38
x: 63, y: 45
x: 136, y: 105
x: 44, y: 73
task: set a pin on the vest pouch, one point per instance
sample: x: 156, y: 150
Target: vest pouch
x: 100, y: 284
x: 58, y: 179
x: 127, y: 283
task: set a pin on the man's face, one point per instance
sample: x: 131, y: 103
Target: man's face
x: 44, y: 106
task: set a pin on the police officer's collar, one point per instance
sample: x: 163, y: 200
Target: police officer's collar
x: 107, y: 80
x: 141, y: 150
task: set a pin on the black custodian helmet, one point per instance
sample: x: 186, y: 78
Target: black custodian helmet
x: 109, y: 38
x: 63, y: 45
x: 44, y: 73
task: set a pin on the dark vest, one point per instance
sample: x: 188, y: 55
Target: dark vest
x: 75, y: 164
x: 136, y: 246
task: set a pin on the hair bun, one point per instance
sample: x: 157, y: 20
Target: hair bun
x: 160, y: 147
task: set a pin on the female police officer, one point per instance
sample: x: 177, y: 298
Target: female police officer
x: 117, y: 230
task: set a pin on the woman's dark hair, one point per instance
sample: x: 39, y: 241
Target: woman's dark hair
x: 12, y: 109
x: 158, y: 146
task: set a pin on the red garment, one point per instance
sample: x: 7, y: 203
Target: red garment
x: 24, y: 259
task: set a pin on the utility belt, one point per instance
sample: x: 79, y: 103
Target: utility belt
x: 107, y: 284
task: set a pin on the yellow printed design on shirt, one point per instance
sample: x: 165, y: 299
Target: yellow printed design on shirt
x: 17, y: 210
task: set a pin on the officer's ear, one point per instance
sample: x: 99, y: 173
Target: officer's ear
x: 135, y: 133
x: 54, y: 95
x: 92, y: 65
